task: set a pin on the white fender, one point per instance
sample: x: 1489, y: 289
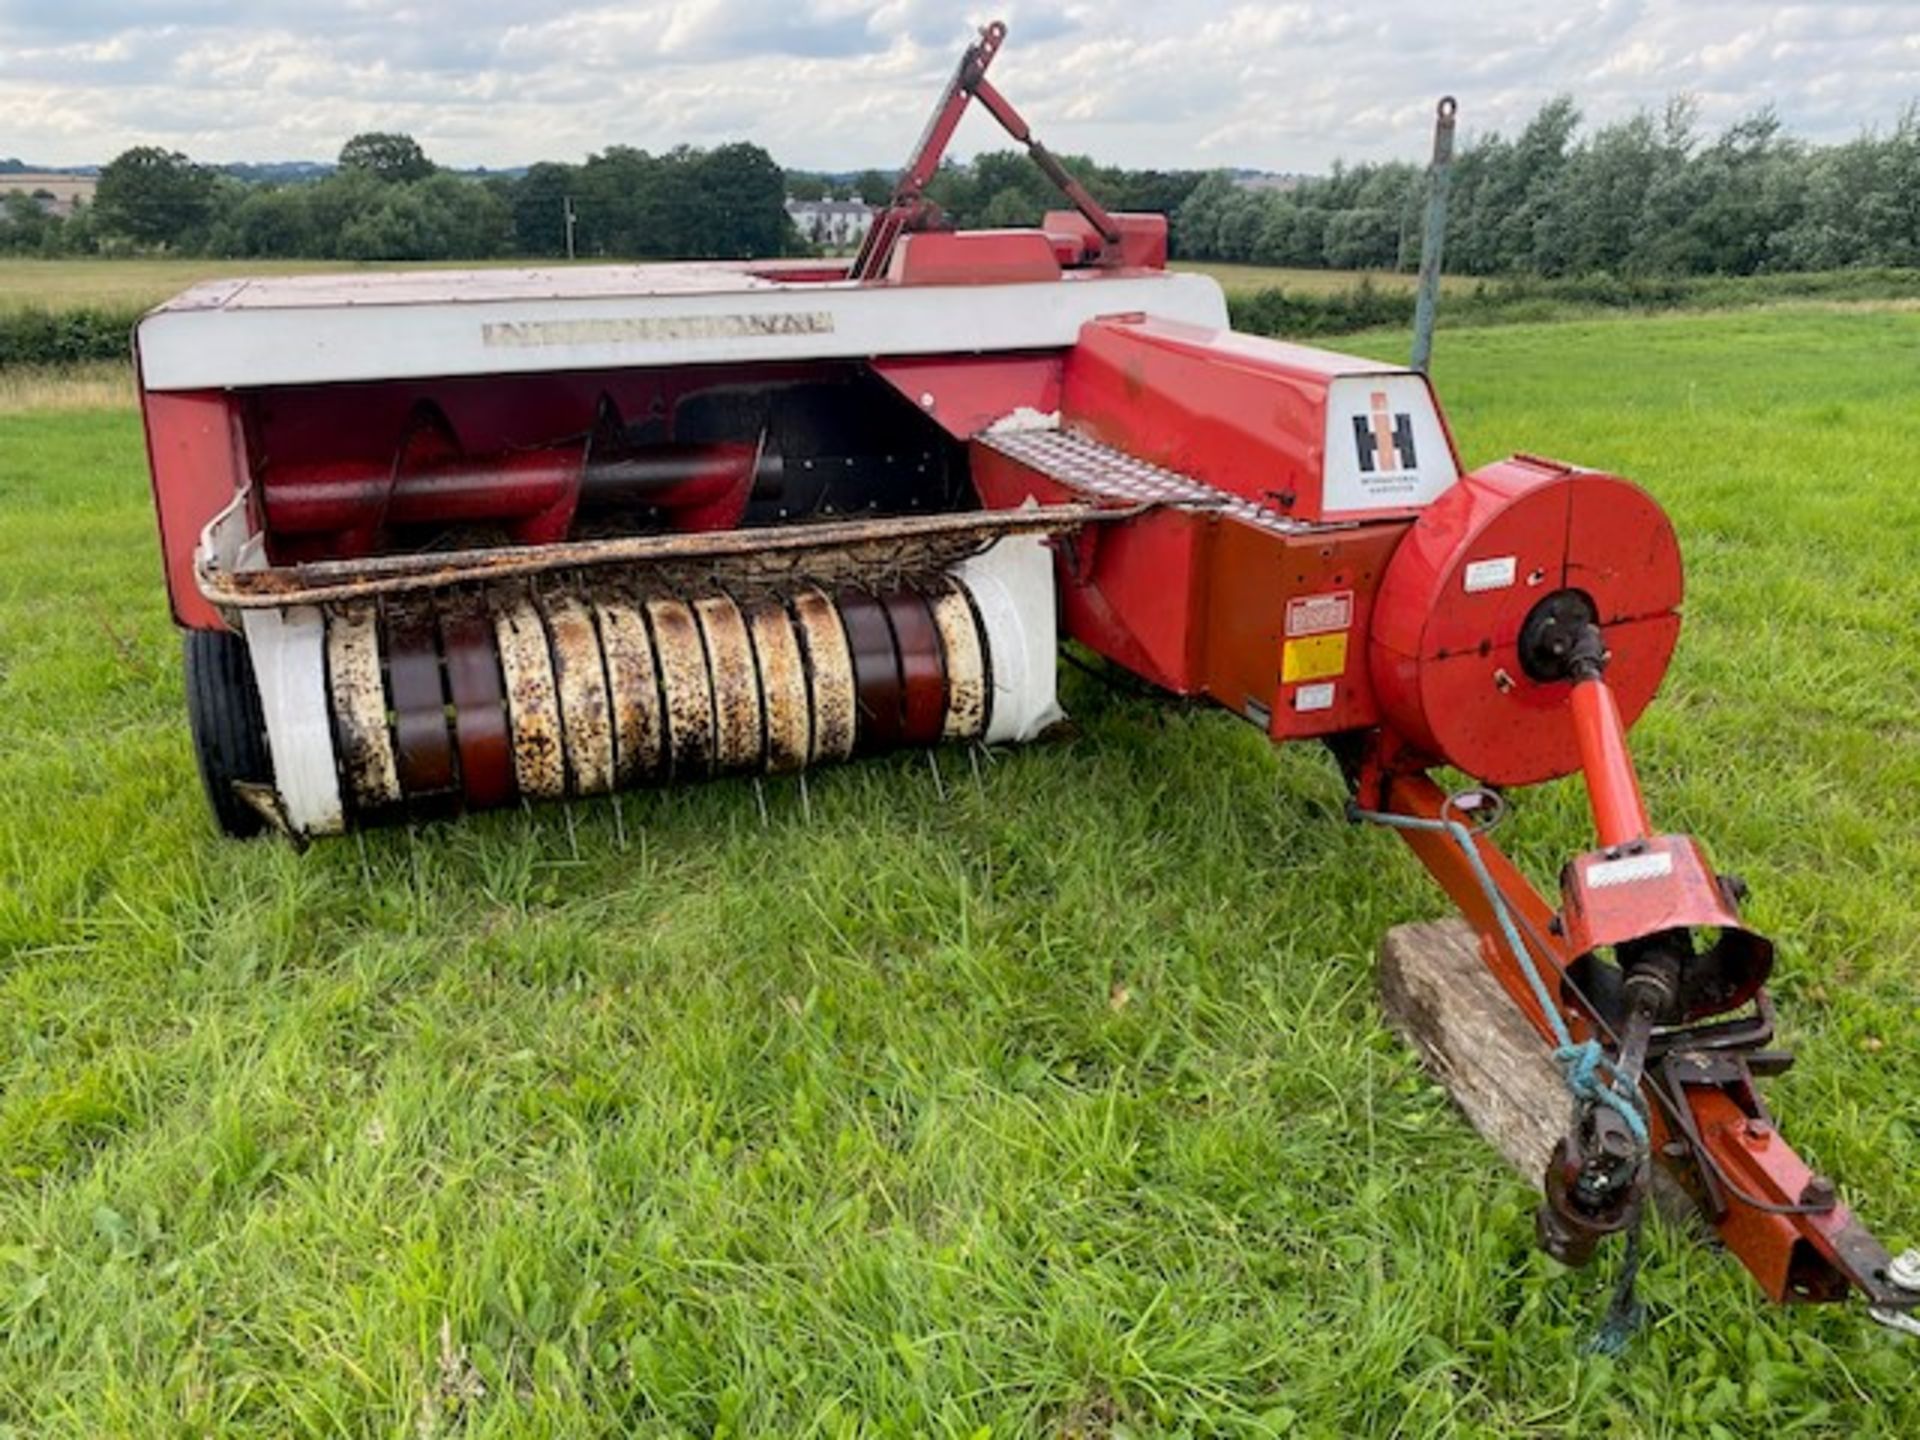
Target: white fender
x: 1012, y: 588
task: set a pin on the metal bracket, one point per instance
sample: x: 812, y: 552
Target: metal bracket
x: 1901, y: 1320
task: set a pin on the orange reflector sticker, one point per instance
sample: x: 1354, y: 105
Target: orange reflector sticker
x: 1313, y: 657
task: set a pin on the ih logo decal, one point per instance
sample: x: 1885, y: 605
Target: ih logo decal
x: 1384, y: 440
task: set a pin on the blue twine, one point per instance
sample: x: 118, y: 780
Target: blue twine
x: 1580, y: 1066
x: 1580, y: 1061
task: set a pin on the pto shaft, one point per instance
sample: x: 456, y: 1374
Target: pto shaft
x: 1619, y: 813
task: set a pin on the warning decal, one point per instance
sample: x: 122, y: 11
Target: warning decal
x: 1314, y: 657
x: 1495, y: 574
x: 1317, y: 614
x: 1318, y: 696
x: 1633, y: 868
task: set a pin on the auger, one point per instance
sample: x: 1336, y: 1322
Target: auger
x: 447, y: 541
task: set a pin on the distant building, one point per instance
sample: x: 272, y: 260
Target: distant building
x: 57, y: 194
x: 831, y: 224
x: 1277, y: 183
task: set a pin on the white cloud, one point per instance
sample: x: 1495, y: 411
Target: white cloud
x: 841, y: 83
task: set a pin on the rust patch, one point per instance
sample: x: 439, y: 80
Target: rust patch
x: 783, y: 685
x: 533, y: 703
x: 967, y: 680
x: 633, y: 692
x: 870, y: 552
x: 360, y: 707
x: 736, y: 685
x: 829, y: 675
x: 581, y: 680
x: 685, y: 691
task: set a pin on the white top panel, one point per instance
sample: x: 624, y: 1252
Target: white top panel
x: 407, y: 325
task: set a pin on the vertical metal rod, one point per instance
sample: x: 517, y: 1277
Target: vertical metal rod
x: 1433, y: 238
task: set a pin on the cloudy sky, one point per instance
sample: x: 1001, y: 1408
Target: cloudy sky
x: 839, y: 84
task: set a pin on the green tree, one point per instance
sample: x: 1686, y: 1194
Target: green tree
x: 23, y: 223
x: 461, y: 219
x: 154, y: 197
x: 386, y: 156
x: 539, y: 204
x: 272, y: 220
x: 742, y: 198
x: 873, y: 187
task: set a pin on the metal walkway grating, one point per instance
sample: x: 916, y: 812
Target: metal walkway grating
x: 1100, y: 470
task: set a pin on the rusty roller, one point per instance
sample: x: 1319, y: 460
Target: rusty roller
x: 472, y: 701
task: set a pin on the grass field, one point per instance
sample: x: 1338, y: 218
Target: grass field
x: 127, y: 283
x: 1244, y: 279
x: 1044, y: 1095
x: 116, y: 284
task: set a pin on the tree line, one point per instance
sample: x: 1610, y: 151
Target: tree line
x: 387, y: 201
x: 1648, y: 195
x: 1645, y: 196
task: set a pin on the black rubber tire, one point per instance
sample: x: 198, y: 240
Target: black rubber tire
x: 229, y: 734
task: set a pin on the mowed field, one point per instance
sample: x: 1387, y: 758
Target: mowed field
x: 127, y: 283
x: 117, y: 284
x: 1033, y: 1093
x: 1244, y: 279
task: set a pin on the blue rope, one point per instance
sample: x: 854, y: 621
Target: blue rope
x: 1580, y: 1061
x: 1580, y: 1066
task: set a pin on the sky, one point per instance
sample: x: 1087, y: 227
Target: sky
x: 832, y: 84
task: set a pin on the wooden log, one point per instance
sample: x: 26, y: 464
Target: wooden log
x: 1442, y: 1000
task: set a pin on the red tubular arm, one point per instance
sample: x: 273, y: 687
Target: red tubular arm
x: 906, y: 208
x: 1619, y: 814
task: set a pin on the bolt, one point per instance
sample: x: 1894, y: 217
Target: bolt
x: 1819, y: 1193
x: 1758, y: 1131
x: 1904, y: 1271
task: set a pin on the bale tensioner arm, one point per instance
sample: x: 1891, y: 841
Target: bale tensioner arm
x: 1662, y: 1067
x: 909, y: 208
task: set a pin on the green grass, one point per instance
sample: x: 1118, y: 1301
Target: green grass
x: 1047, y: 1097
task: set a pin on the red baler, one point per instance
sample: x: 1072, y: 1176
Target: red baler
x: 445, y: 541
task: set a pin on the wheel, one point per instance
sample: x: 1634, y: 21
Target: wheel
x: 229, y: 734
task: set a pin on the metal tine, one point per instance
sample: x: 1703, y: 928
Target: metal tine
x: 760, y: 799
x: 806, y: 799
x: 413, y: 862
x: 939, y: 784
x: 620, y: 821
